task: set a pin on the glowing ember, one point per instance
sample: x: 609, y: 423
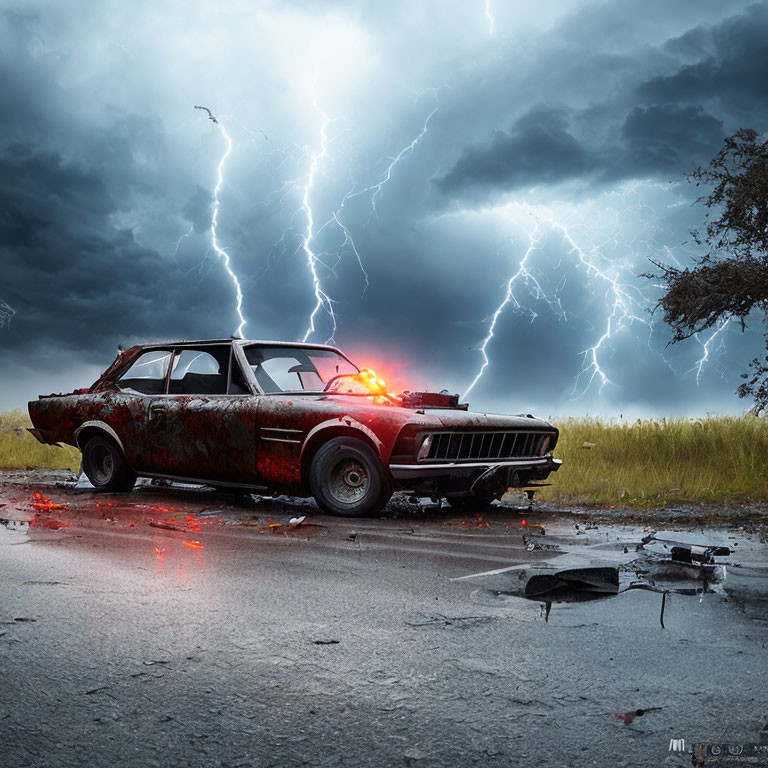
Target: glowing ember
x: 43, y: 503
x: 194, y: 544
x: 193, y: 524
x: 159, y: 553
x: 478, y: 522
x: 526, y: 524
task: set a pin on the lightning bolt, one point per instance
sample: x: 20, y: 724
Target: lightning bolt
x: 220, y: 252
x: 489, y: 16
x: 623, y: 306
x: 183, y: 237
x: 376, y: 188
x: 322, y: 300
x: 705, y: 345
x: 509, y: 297
x: 622, y: 309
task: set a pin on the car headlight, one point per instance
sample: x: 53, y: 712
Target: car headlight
x: 424, y: 448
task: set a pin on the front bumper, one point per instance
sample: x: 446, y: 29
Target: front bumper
x: 460, y: 478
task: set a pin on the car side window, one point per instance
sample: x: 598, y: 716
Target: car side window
x: 147, y: 374
x: 200, y: 372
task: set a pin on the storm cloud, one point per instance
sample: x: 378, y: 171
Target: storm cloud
x: 438, y: 157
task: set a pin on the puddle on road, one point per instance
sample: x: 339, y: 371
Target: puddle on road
x: 14, y: 531
x: 665, y: 563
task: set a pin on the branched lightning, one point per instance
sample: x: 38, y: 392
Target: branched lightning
x: 705, y: 347
x: 523, y: 272
x: 376, y: 188
x: 623, y: 307
x: 183, y: 237
x: 321, y: 297
x: 220, y: 252
x: 310, y: 231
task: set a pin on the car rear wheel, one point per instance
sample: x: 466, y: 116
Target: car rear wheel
x: 347, y: 479
x: 106, y: 467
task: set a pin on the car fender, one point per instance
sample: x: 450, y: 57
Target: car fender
x: 101, y: 425
x: 331, y: 425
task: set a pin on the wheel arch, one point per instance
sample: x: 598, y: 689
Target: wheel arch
x: 89, y: 429
x: 326, y: 431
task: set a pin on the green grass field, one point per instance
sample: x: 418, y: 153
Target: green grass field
x: 719, y: 459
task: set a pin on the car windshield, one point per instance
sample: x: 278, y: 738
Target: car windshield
x: 295, y: 369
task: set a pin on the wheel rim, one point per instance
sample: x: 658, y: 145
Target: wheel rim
x: 102, y: 464
x: 349, y: 482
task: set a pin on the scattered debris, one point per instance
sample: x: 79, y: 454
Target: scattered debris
x: 166, y: 526
x: 587, y: 444
x: 535, y: 546
x: 24, y: 618
x: 628, y: 717
x: 295, y: 522
x: 156, y: 661
x: 352, y: 536
x: 326, y: 642
x: 96, y: 690
x: 599, y: 580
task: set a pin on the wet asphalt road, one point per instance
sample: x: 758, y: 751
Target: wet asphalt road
x: 226, y: 638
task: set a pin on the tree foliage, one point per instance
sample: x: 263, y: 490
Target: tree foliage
x: 731, y: 279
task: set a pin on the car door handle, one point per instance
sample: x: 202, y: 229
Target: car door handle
x: 157, y: 410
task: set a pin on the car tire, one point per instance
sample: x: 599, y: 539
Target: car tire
x: 347, y: 479
x: 106, y: 467
x: 471, y: 504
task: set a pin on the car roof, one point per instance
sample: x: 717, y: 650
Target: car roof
x: 241, y: 342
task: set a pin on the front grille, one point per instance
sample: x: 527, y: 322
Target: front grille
x: 483, y: 446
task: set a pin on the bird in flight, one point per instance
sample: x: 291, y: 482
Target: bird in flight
x: 210, y: 114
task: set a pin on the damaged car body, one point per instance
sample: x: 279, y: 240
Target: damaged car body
x: 289, y: 418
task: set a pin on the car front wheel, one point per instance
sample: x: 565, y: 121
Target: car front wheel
x: 106, y: 467
x: 346, y: 478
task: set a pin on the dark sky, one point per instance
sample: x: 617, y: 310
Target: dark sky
x: 557, y: 130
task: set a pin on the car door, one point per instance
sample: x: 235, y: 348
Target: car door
x: 204, y: 426
x: 126, y: 409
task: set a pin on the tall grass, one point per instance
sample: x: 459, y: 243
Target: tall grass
x: 18, y: 449
x: 721, y: 459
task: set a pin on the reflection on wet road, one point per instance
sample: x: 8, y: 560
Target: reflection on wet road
x: 176, y: 626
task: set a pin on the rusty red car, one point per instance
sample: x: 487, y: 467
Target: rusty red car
x: 288, y: 418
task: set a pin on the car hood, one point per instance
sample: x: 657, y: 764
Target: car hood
x: 444, y: 418
x: 456, y: 419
